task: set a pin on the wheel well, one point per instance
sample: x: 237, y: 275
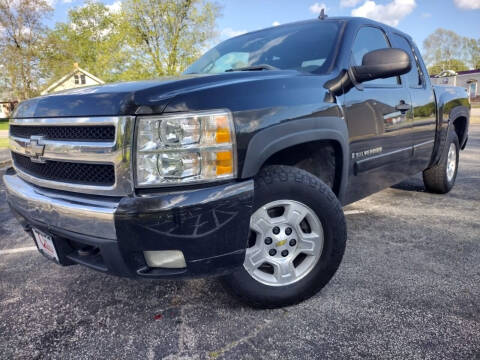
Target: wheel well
x: 320, y: 158
x: 460, y: 125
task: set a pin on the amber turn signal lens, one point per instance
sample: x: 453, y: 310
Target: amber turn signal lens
x: 222, y: 134
x: 224, y: 163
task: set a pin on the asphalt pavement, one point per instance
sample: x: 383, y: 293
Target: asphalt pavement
x: 4, y: 153
x: 4, y: 157
x: 408, y: 288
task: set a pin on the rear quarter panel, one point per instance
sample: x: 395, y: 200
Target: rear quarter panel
x: 452, y: 103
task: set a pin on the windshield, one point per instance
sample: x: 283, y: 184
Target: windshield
x: 306, y: 47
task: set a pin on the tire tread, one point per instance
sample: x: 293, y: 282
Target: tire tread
x: 435, y: 177
x: 286, y: 174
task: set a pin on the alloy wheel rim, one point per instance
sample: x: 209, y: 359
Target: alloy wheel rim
x: 451, y: 161
x: 286, y: 243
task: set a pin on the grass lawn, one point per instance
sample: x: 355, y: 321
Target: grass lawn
x: 476, y: 105
x: 3, y: 143
x: 3, y: 125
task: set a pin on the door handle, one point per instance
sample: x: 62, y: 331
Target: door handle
x: 402, y: 107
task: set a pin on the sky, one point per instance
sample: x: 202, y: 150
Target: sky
x: 418, y: 18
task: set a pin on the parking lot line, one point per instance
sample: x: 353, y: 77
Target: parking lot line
x: 354, y: 212
x: 18, y: 250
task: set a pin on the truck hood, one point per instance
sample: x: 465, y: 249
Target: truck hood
x: 139, y: 97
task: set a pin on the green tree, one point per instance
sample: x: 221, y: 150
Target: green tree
x: 471, y: 48
x: 453, y: 64
x: 172, y: 33
x: 22, y: 36
x: 442, y: 46
x: 94, y: 37
x: 446, y: 50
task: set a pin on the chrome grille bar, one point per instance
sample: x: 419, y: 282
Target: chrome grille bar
x: 116, y: 153
x: 87, y: 121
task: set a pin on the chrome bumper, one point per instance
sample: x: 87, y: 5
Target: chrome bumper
x: 78, y: 214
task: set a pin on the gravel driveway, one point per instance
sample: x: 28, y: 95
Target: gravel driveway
x: 409, y: 287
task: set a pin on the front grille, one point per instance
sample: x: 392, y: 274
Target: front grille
x: 76, y: 133
x: 77, y: 173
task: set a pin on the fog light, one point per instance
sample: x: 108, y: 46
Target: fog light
x: 170, y: 259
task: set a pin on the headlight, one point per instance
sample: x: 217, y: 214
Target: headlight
x: 185, y: 148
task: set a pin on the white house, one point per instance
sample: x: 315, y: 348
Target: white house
x: 5, y: 109
x: 6, y: 104
x: 77, y: 78
x: 469, y: 79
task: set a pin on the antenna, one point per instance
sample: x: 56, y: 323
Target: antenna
x: 322, y: 15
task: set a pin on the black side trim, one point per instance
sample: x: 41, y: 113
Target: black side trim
x: 423, y: 147
x: 423, y: 144
x: 382, y: 159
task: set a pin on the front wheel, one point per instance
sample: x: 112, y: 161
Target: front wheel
x: 298, y: 236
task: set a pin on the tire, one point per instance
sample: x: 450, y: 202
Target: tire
x: 440, y: 178
x: 300, y: 194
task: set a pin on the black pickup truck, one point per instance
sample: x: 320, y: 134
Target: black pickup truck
x: 239, y: 167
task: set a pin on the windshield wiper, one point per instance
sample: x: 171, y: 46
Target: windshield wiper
x: 254, y: 68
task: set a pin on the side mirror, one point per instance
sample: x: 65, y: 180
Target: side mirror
x: 382, y: 63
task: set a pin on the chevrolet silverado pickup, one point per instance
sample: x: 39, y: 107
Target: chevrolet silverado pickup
x: 240, y: 167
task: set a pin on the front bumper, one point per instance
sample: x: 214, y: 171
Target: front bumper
x: 209, y: 225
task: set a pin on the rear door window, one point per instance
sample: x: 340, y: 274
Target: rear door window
x: 413, y: 78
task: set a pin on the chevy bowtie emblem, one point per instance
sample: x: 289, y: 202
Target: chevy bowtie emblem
x: 34, y: 149
x: 281, y: 243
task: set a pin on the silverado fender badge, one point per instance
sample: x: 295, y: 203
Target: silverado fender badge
x: 368, y: 152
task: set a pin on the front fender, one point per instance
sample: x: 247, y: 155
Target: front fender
x: 271, y: 140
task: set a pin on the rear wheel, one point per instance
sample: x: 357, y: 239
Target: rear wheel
x: 441, y: 177
x: 297, y: 241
